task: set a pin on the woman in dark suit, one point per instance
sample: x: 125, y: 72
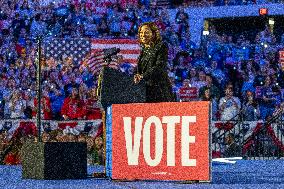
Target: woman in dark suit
x: 152, y: 64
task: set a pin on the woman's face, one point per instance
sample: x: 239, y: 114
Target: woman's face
x: 208, y: 80
x: 145, y: 35
x: 202, y: 76
x: 45, y: 137
x: 186, y: 83
x: 207, y: 93
x: 229, y: 92
x: 192, y: 72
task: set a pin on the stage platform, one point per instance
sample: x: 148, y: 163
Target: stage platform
x: 242, y: 174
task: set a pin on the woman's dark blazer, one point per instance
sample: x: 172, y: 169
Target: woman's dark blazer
x: 152, y: 64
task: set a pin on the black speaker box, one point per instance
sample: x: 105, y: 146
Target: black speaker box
x: 54, y: 160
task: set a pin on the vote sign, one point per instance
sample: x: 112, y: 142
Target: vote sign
x: 158, y: 141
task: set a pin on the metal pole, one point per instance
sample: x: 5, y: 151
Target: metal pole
x: 38, y: 121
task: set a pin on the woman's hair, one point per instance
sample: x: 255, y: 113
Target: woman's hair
x: 155, y: 30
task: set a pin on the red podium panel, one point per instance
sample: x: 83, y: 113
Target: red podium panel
x: 160, y: 141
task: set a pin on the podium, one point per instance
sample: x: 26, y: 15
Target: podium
x: 118, y: 88
x: 168, y: 141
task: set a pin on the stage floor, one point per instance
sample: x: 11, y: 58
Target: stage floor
x: 243, y: 174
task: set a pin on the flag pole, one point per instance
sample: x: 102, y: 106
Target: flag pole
x: 38, y: 120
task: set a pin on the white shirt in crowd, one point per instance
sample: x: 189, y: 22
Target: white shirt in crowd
x: 17, y: 109
x: 230, y: 111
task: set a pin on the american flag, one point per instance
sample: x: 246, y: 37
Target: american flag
x: 59, y: 48
x: 89, y: 52
x: 129, y: 50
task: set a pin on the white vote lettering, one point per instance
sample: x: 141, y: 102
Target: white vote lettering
x: 133, y: 146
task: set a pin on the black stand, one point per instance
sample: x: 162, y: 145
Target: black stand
x: 38, y: 118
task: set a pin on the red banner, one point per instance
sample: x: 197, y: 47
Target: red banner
x: 188, y: 93
x: 161, y: 141
x: 281, y: 59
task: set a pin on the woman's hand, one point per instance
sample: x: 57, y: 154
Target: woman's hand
x: 137, y: 78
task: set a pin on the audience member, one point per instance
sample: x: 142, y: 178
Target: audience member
x: 229, y: 105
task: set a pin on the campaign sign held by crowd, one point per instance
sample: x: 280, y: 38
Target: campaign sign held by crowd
x: 188, y: 94
x: 158, y: 141
x: 281, y: 59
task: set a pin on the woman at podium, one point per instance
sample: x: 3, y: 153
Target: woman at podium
x: 152, y: 64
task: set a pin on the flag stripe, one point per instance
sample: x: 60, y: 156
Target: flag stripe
x: 115, y: 41
x: 131, y: 61
x: 121, y: 46
x: 127, y: 51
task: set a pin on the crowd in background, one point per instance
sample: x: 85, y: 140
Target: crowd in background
x: 243, y: 79
x: 235, y: 67
x: 238, y: 77
x: 68, y: 91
